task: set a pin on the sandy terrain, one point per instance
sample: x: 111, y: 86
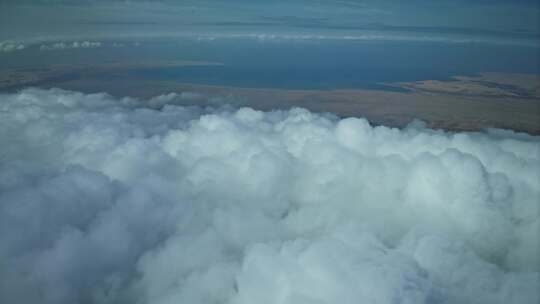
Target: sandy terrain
x: 464, y: 103
x: 485, y: 84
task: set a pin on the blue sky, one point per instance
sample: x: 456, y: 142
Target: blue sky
x: 40, y: 19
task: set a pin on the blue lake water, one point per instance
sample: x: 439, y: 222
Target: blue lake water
x: 324, y: 64
x: 341, y: 64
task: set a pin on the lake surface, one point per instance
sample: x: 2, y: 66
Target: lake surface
x: 292, y: 64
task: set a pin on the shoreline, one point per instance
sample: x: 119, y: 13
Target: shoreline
x: 463, y: 103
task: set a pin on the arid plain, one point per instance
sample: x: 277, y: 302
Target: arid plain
x: 486, y: 100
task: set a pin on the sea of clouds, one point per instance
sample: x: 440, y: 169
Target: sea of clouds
x: 107, y: 200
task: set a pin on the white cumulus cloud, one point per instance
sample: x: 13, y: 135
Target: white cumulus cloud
x: 106, y: 200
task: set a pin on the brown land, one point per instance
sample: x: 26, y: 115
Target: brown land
x: 510, y: 101
x: 485, y: 84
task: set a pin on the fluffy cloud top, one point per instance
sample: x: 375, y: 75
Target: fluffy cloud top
x: 107, y: 200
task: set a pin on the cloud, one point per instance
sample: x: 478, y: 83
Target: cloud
x: 8, y: 46
x: 70, y: 45
x: 106, y: 200
x: 61, y: 45
x: 371, y: 36
x: 481, y: 20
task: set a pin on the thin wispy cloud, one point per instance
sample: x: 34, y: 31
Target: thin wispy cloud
x: 71, y: 45
x: 93, y: 18
x: 8, y: 46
